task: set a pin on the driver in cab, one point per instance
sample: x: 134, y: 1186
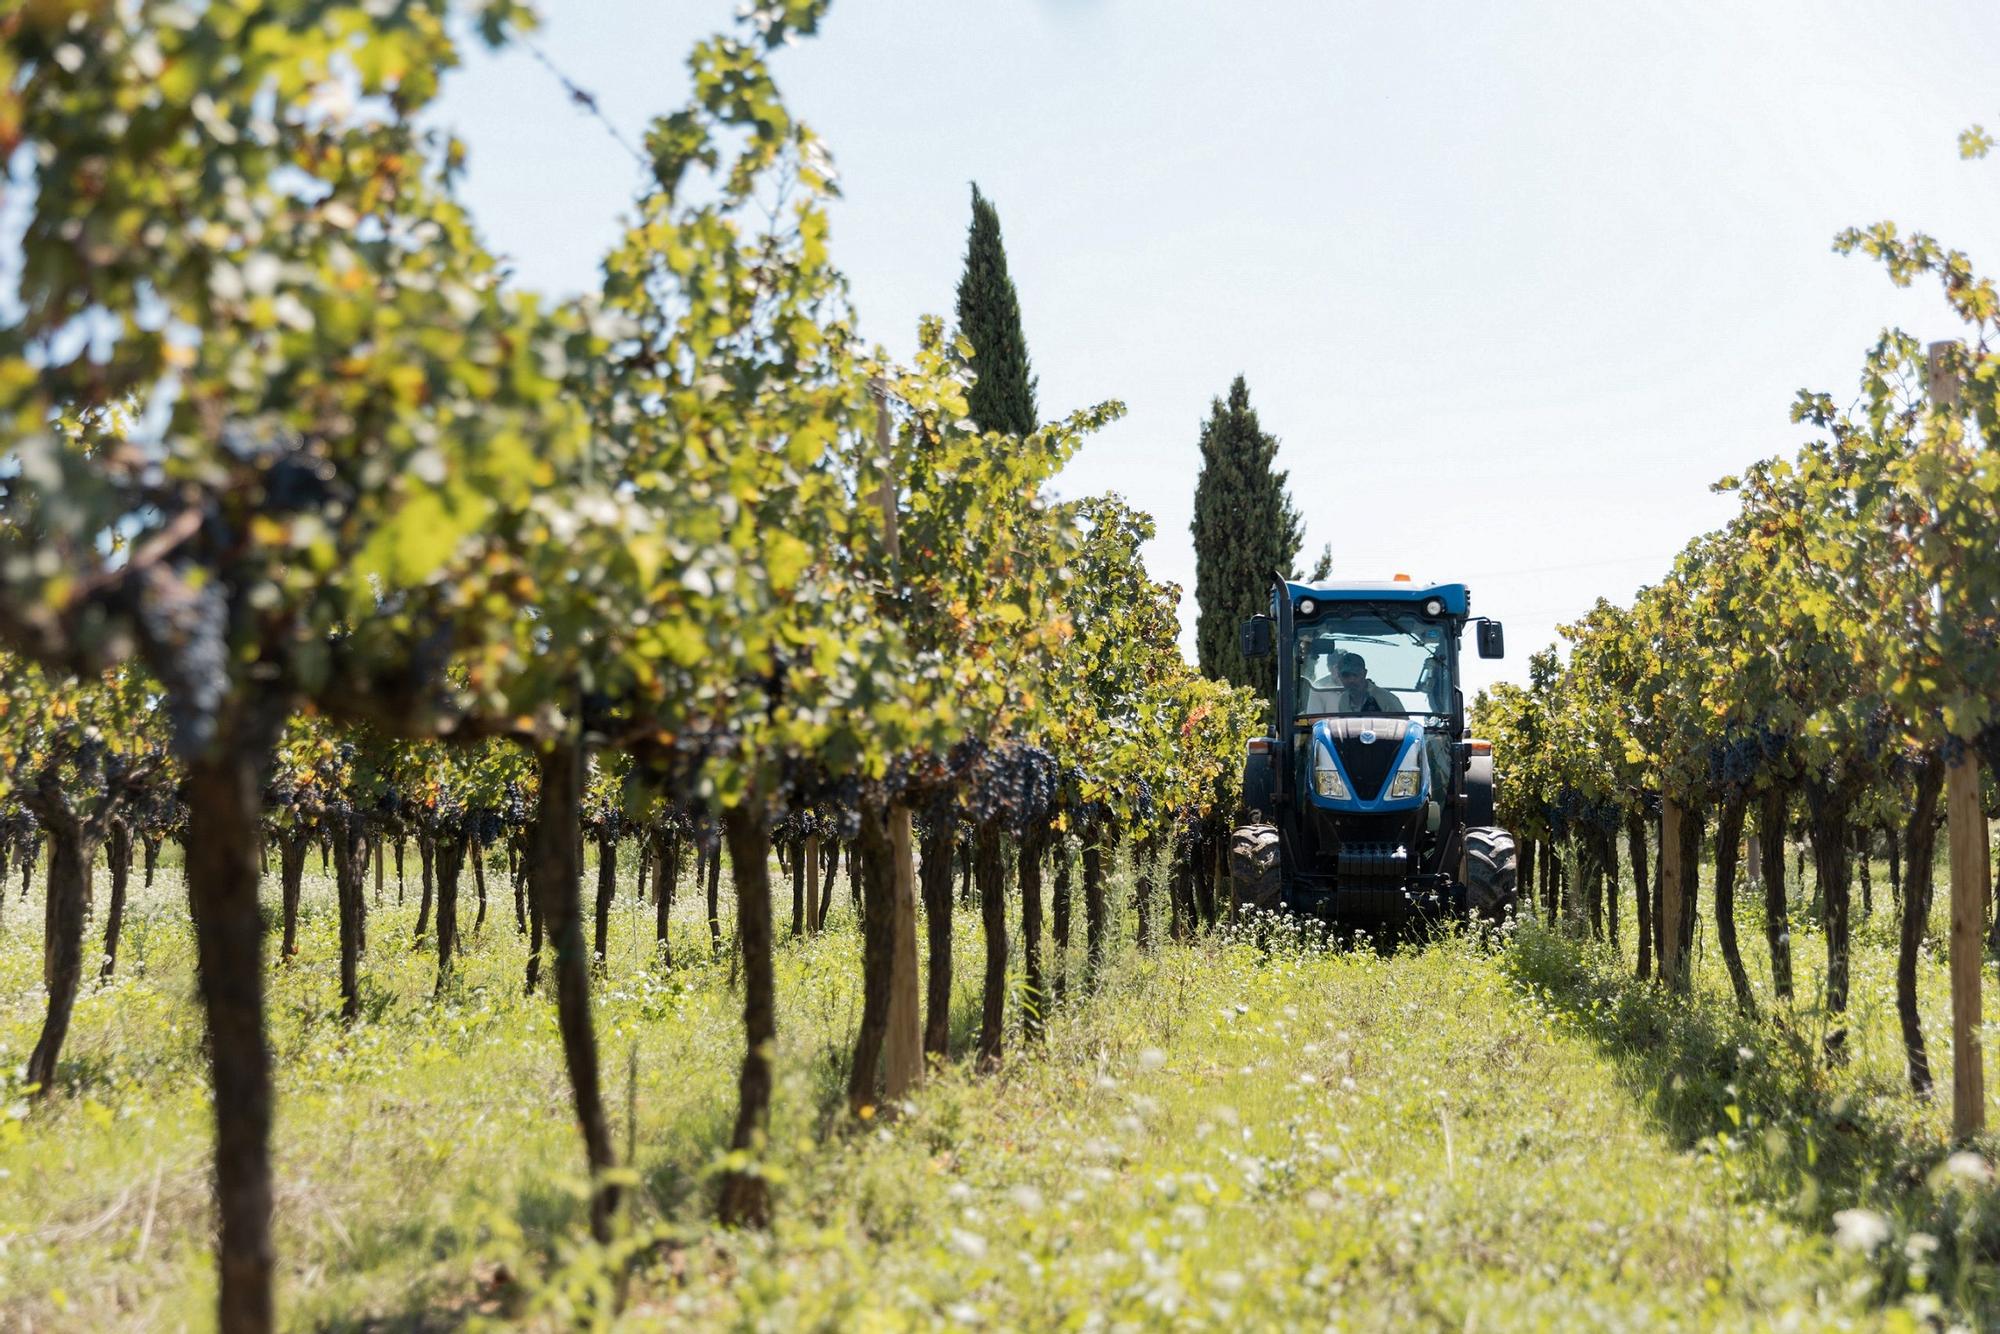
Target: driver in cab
x: 1358, y: 694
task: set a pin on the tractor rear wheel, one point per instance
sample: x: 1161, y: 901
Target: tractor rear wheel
x: 1256, y: 867
x: 1489, y: 873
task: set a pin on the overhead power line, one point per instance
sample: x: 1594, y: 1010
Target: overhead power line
x: 587, y: 100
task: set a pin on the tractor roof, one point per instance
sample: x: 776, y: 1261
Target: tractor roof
x: 1456, y: 600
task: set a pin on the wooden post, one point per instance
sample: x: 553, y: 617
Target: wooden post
x: 903, y: 1054
x: 1669, y: 892
x: 904, y: 1060
x: 1970, y: 885
x: 1967, y: 834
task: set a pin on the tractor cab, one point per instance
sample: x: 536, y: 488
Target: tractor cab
x: 1368, y: 798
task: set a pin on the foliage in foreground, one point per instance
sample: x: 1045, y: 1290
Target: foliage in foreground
x: 1251, y: 1129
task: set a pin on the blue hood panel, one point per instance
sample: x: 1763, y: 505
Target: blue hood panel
x: 1323, y: 750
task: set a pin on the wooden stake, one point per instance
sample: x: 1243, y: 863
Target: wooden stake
x: 1970, y: 883
x: 1967, y: 834
x: 904, y: 1055
x: 1669, y: 894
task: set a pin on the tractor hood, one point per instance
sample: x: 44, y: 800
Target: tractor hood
x: 1353, y: 762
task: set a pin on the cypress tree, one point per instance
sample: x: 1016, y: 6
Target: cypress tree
x: 1245, y: 526
x: 989, y: 316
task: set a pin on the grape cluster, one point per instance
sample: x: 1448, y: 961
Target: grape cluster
x: 1014, y: 786
x: 1574, y: 812
x: 1733, y: 763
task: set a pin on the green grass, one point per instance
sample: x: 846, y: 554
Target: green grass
x: 1242, y: 1133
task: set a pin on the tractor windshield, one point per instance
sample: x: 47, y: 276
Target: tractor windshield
x: 1403, y: 668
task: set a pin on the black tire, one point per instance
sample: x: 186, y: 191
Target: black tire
x: 1489, y: 873
x: 1256, y: 867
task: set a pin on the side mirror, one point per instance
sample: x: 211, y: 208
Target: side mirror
x: 1492, y: 640
x: 1255, y: 638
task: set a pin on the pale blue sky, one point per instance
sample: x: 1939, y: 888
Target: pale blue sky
x: 1513, y: 283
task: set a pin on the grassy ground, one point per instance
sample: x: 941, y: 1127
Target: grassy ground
x: 1243, y: 1133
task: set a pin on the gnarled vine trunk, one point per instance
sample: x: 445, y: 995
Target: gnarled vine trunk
x: 517, y: 872
x: 1728, y: 845
x: 70, y: 847
x: 1180, y: 892
x: 826, y: 882
x: 934, y: 883
x: 1683, y: 927
x: 1146, y: 858
x: 607, y: 889
x: 1864, y: 840
x: 1033, y: 998
x: 1827, y: 807
x: 1607, y: 853
x: 712, y: 847
x: 556, y: 878
x: 1093, y: 906
x: 871, y: 868
x: 534, y: 940
x: 1777, y: 923
x: 1920, y: 838
x: 1642, y: 896
x: 745, y: 1200
x: 224, y: 789
x: 1060, y: 915
x: 667, y: 855
x: 350, y: 861
x: 990, y: 870
x: 1590, y: 871
x: 427, y: 857
x: 119, y: 837
x: 477, y: 856
x: 798, y: 871
x: 291, y: 875
x: 451, y: 855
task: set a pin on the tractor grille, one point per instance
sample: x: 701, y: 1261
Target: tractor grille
x: 1372, y: 861
x: 1368, y: 764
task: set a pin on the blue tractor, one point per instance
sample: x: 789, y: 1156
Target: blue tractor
x: 1370, y: 805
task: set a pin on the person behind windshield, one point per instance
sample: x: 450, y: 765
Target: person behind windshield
x: 1358, y: 694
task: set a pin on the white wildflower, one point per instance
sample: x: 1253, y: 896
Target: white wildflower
x: 1969, y: 1167
x: 1861, y: 1230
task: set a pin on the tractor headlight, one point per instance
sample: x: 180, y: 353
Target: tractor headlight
x: 1328, y: 782
x: 1408, y: 777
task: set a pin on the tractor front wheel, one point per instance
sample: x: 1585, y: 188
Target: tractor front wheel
x: 1256, y: 868
x: 1489, y: 873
